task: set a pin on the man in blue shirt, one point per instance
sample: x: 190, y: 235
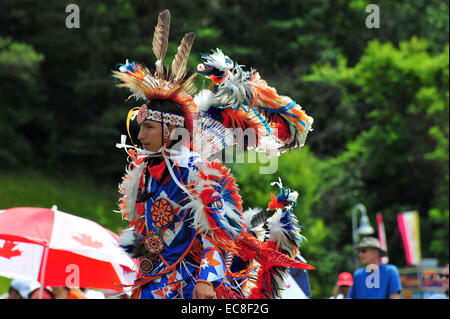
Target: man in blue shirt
x: 375, y: 280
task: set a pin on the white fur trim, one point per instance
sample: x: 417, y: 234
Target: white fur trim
x: 129, y: 190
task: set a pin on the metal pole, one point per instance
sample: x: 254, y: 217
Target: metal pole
x: 355, y: 238
x: 363, y: 211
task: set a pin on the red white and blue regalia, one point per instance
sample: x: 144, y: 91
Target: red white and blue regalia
x: 187, y: 223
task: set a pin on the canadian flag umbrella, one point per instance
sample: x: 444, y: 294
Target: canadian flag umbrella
x: 60, y: 249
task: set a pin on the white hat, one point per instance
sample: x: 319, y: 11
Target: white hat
x: 24, y: 287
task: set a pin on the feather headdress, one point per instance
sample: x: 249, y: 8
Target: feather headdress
x: 170, y: 85
x: 236, y: 98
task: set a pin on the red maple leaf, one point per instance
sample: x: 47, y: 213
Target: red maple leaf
x: 86, y: 240
x: 8, y: 251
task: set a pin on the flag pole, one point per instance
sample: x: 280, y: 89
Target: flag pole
x: 43, y: 268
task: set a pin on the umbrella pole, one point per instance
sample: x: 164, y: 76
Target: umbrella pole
x: 43, y: 268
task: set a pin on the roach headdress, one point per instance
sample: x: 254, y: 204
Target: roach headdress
x: 162, y: 84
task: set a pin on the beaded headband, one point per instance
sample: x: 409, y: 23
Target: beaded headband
x: 146, y: 114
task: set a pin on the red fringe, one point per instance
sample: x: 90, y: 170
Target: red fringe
x: 225, y: 292
x: 240, y: 119
x: 189, y: 109
x: 157, y: 171
x: 196, y: 251
x: 263, y: 280
x: 282, y: 128
x: 274, y: 203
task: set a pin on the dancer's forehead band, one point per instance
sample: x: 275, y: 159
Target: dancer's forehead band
x: 146, y: 114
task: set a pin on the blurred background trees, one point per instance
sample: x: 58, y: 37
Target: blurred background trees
x: 379, y: 98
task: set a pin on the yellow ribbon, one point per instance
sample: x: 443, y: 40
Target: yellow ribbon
x: 131, y: 113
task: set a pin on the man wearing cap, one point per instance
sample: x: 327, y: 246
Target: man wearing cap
x: 375, y: 280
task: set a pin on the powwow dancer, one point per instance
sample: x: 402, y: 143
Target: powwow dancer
x: 187, y: 226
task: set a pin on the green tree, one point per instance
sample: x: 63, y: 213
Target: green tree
x: 397, y: 157
x: 21, y: 92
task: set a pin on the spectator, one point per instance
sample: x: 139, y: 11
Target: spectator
x: 442, y: 278
x: 81, y: 293
x: 342, y: 288
x: 375, y: 280
x: 67, y: 293
x: 35, y: 289
x: 74, y: 293
x: 18, y: 289
x: 93, y: 294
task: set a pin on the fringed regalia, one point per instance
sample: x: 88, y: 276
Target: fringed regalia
x: 187, y: 223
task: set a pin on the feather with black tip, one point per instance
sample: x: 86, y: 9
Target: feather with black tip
x: 255, y: 218
x: 132, y: 243
x: 258, y: 217
x: 180, y: 61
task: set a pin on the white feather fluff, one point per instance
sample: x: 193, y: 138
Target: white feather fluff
x: 268, y: 145
x: 127, y: 237
x: 200, y: 222
x: 276, y: 227
x: 293, y: 196
x: 204, y: 100
x: 200, y: 219
x: 279, y: 234
x: 220, y: 61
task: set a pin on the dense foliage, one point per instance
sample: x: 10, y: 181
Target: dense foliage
x: 379, y: 98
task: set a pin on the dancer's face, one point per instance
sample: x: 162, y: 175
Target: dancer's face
x: 150, y: 135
